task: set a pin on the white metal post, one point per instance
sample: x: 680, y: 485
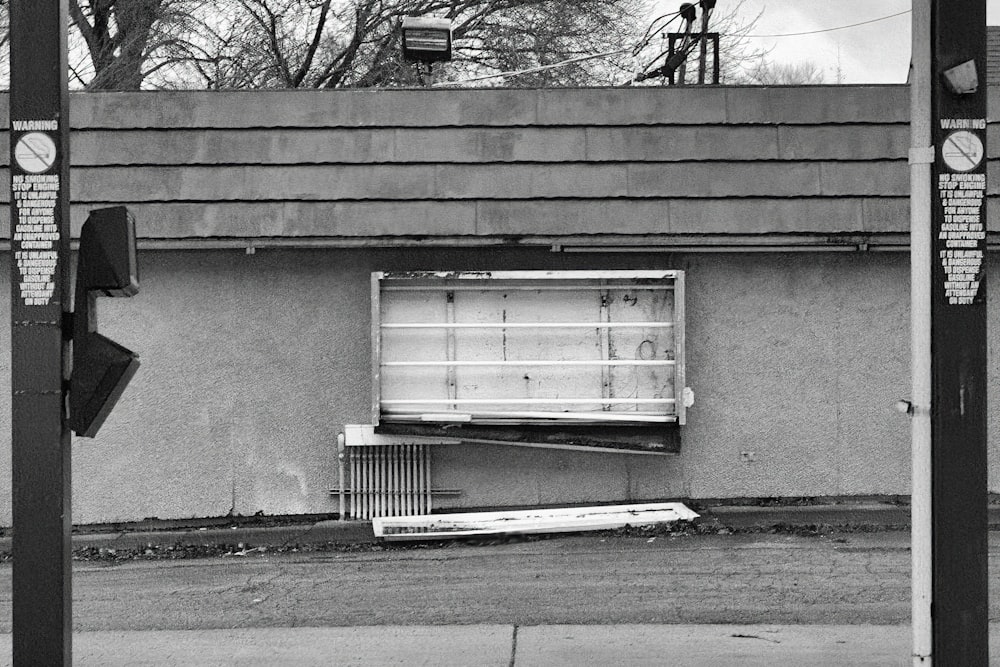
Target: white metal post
x: 341, y: 475
x: 921, y: 157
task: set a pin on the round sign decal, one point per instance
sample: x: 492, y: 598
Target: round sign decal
x: 35, y: 152
x: 962, y: 150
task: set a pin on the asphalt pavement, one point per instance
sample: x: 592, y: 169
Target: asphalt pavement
x: 554, y: 644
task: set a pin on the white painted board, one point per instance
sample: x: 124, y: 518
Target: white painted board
x: 533, y: 521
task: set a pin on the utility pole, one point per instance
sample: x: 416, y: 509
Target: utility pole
x: 40, y: 305
x: 948, y: 311
x: 687, y: 12
x: 706, y: 11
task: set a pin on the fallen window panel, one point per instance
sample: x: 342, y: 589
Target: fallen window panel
x: 534, y: 521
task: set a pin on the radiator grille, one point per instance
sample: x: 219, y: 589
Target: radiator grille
x: 390, y: 480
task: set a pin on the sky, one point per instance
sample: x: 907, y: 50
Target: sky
x: 877, y: 52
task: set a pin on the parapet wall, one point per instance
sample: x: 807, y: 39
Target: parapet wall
x: 496, y: 163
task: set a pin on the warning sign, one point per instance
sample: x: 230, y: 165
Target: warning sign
x: 35, y: 152
x: 962, y: 236
x: 35, y: 236
x: 35, y: 232
x: 960, y: 226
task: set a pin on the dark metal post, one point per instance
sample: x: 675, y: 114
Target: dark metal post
x: 40, y: 300
x: 703, y: 44
x: 688, y: 14
x: 959, y: 588
x: 715, y: 50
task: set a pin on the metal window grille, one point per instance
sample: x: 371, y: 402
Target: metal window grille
x: 390, y: 480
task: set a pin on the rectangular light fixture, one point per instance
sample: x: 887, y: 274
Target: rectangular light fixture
x: 426, y: 39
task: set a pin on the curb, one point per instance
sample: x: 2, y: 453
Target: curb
x: 333, y: 534
x: 866, y: 516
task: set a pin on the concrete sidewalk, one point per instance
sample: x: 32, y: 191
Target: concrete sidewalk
x: 508, y: 646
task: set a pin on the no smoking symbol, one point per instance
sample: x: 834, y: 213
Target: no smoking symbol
x: 962, y: 151
x: 35, y: 152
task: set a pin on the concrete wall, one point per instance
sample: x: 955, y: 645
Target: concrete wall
x: 251, y: 364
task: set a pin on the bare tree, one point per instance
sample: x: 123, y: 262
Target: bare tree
x: 127, y: 41
x: 4, y: 40
x: 132, y: 44
x: 767, y: 73
x: 321, y: 44
x: 536, y: 35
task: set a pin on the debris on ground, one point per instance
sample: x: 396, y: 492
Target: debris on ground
x: 530, y: 521
x: 196, y: 546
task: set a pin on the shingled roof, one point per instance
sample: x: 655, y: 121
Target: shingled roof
x: 992, y: 55
x: 494, y: 163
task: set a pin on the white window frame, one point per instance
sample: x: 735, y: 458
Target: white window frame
x: 395, y: 410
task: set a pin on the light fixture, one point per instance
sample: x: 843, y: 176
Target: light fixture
x: 962, y: 79
x: 426, y: 39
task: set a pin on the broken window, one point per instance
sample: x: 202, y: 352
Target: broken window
x: 577, y: 358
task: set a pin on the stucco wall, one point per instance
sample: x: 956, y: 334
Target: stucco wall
x: 251, y: 364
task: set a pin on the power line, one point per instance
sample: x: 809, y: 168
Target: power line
x: 650, y: 32
x: 841, y: 27
x: 531, y: 70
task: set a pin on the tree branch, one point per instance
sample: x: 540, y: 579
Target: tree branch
x: 306, y: 63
